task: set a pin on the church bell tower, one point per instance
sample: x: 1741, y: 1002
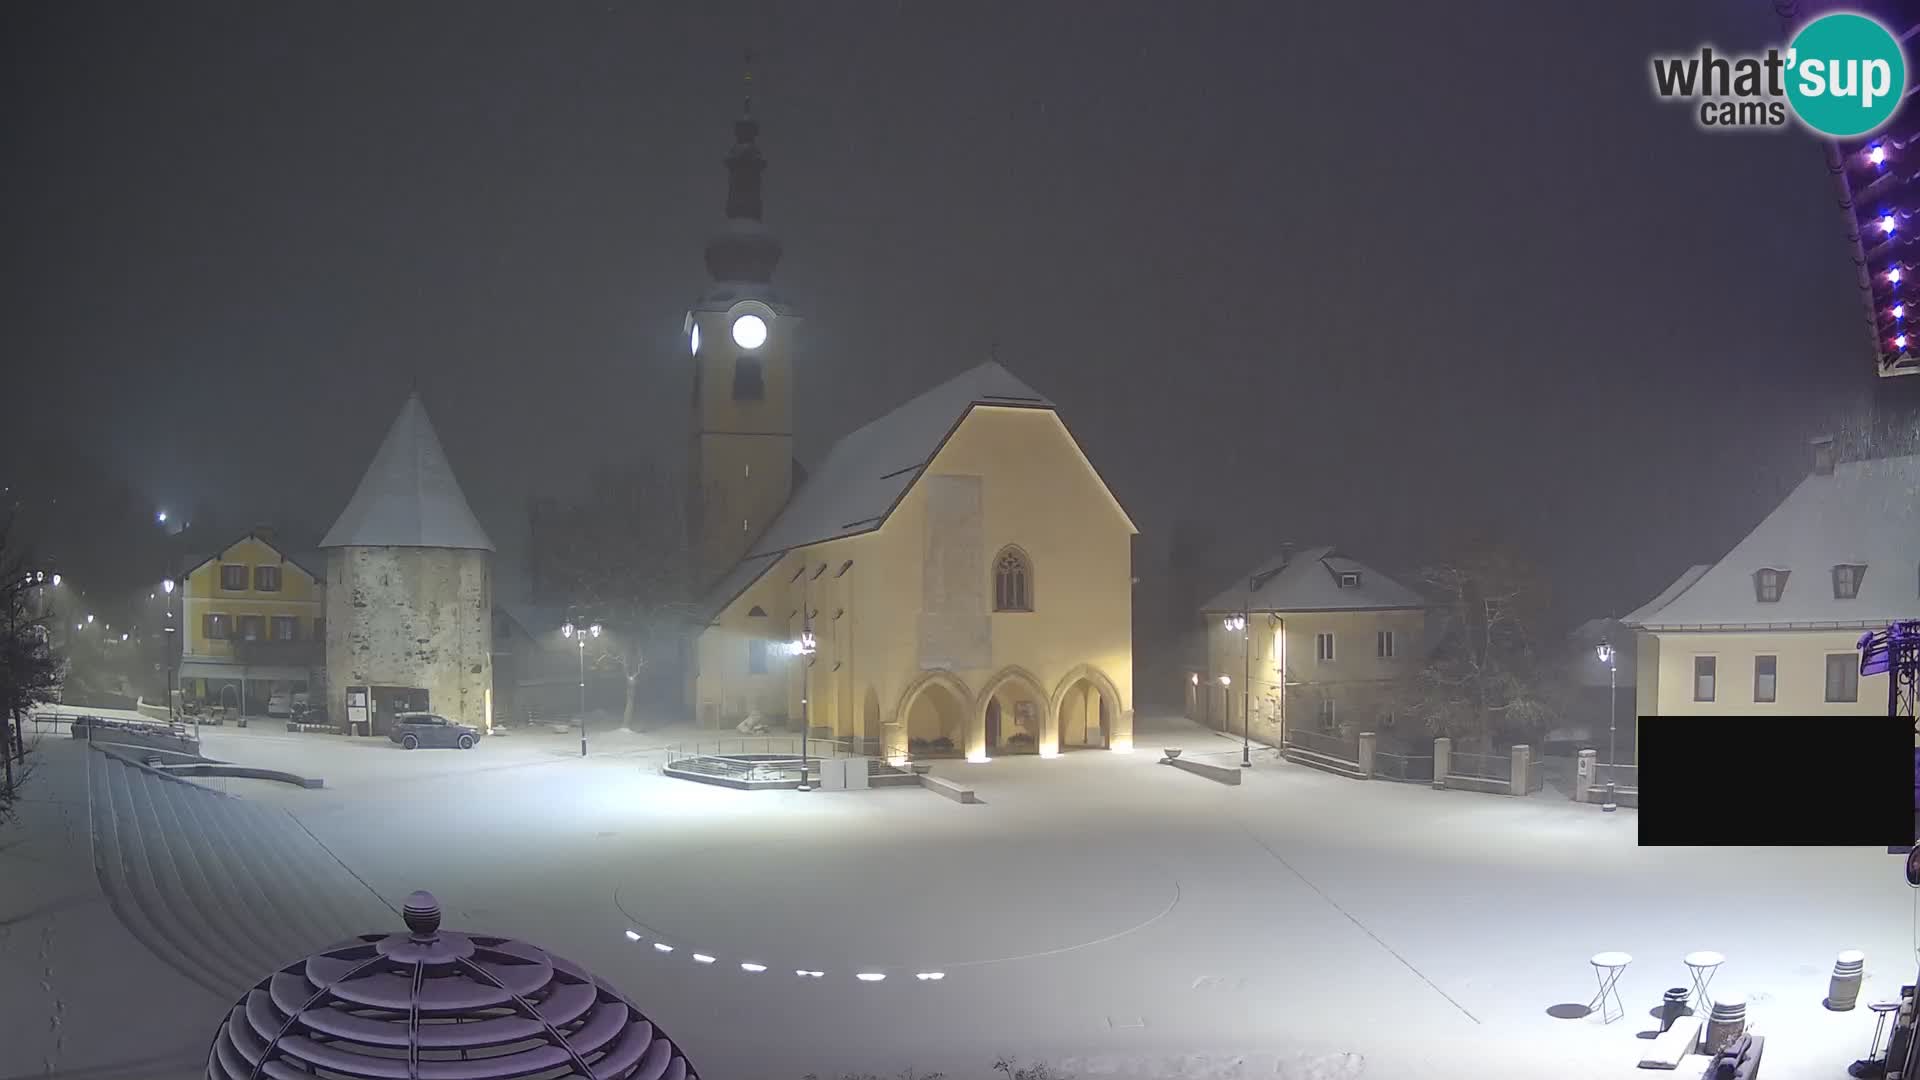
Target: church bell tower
x: 740, y: 338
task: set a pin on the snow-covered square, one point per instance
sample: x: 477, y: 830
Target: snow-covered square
x: 1096, y: 911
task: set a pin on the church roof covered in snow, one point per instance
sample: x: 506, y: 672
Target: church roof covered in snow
x: 1312, y: 580
x: 408, y: 497
x: 1862, y: 514
x: 866, y: 474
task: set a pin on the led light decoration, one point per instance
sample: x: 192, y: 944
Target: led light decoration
x: 702, y: 958
x: 1886, y: 223
x: 756, y: 968
x: 870, y: 976
x: 1877, y: 155
x: 1893, y: 275
x: 631, y: 936
x: 662, y: 946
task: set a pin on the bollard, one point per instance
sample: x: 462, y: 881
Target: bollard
x: 1727, y: 1022
x: 1673, y: 1006
x: 1844, y: 989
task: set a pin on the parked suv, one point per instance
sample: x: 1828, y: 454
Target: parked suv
x: 417, y: 729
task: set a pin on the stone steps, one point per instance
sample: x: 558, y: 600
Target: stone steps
x: 223, y: 890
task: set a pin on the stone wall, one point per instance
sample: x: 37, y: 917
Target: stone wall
x: 420, y: 617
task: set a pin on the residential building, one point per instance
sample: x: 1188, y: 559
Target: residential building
x: 254, y: 626
x: 961, y: 571
x: 1773, y: 627
x: 409, y: 589
x: 1326, y: 639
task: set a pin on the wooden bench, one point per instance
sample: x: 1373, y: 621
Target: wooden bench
x: 947, y: 788
x: 1225, y: 774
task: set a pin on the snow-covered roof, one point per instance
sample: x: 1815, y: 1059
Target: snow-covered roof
x: 1310, y: 581
x: 1680, y: 584
x: 408, y: 497
x: 1865, y: 513
x: 312, y: 563
x: 866, y: 474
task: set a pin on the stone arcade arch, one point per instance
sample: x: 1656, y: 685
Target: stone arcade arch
x: 1014, y: 703
x: 935, y: 707
x: 1087, y: 709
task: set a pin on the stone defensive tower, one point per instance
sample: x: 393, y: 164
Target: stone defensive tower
x: 410, y: 587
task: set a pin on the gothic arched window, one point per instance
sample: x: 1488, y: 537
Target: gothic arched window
x: 1012, y: 580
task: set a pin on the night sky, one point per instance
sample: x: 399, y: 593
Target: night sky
x: 1375, y: 274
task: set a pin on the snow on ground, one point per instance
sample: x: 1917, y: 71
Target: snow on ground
x: 1100, y: 912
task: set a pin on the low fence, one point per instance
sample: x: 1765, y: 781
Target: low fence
x: 1497, y: 767
x: 1406, y: 768
x: 764, y: 745
x: 1324, y: 744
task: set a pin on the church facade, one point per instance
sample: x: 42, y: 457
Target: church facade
x: 954, y: 579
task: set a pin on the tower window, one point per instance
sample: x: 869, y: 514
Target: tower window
x: 1012, y: 581
x: 748, y: 382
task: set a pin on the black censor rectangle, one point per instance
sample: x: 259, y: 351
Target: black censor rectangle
x: 1770, y: 781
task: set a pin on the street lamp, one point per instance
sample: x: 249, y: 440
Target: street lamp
x: 1604, y: 651
x: 804, y: 648
x: 1237, y: 624
x: 579, y: 636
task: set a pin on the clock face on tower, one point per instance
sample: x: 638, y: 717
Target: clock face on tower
x: 693, y: 341
x: 749, y: 331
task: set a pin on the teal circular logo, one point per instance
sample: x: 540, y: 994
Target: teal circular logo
x: 1846, y: 75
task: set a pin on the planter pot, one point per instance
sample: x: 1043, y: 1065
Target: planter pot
x: 1173, y: 753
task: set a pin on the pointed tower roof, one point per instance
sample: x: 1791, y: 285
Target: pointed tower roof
x: 408, y: 498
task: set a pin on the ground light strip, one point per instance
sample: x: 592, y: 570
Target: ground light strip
x: 804, y: 973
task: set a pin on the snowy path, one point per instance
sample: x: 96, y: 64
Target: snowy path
x: 1097, y: 911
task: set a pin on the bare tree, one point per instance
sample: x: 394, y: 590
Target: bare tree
x: 1487, y: 677
x: 619, y: 557
x: 29, y: 671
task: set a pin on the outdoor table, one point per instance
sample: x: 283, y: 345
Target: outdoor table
x: 1607, y: 967
x: 1702, y: 965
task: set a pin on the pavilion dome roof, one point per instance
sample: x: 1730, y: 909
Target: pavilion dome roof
x: 427, y: 1002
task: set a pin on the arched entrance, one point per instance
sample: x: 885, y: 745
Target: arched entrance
x: 1016, y: 716
x: 1087, y: 706
x: 935, y: 711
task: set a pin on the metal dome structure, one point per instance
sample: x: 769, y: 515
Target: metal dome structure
x: 433, y: 1004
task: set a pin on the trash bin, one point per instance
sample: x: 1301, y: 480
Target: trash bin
x: 1844, y: 988
x: 1673, y: 1006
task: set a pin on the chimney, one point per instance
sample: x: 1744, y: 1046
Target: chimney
x: 265, y: 532
x: 1823, y: 455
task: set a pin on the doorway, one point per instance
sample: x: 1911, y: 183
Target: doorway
x: 993, y: 724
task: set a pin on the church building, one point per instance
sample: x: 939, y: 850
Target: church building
x: 953, y: 579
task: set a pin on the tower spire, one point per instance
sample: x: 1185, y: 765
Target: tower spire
x: 744, y: 163
x: 743, y: 250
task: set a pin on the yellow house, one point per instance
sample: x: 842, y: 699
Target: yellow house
x: 962, y: 576
x: 1774, y: 626
x: 252, y: 617
x: 1314, y: 641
